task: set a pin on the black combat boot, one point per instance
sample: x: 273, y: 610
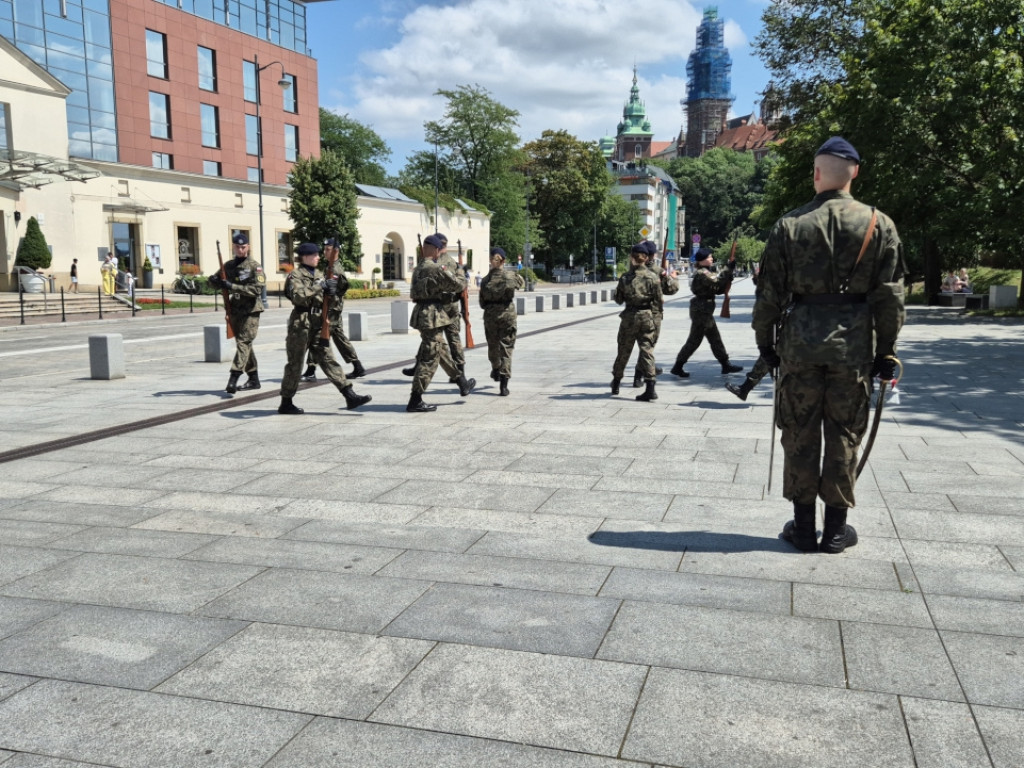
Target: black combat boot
x: 658, y: 370
x: 409, y: 371
x: 232, y: 386
x: 615, y: 385
x: 836, y: 535
x: 503, y: 392
x: 288, y: 407
x: 677, y: 370
x: 801, y: 531
x: 638, y: 379
x: 416, y: 404
x: 357, y: 370
x: 253, y: 382
x: 494, y: 374
x: 728, y: 367
x: 465, y: 385
x: 650, y: 394
x: 352, y: 400
x: 742, y: 390
x: 310, y: 374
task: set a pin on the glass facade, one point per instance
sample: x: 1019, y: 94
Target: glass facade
x: 211, y: 168
x: 5, y: 139
x: 156, y: 54
x: 159, y: 115
x: 71, y: 40
x: 207, y: 69
x: 291, y: 143
x: 290, y: 95
x: 282, y: 22
x: 210, y: 122
x: 249, y: 81
x: 252, y: 135
x: 163, y: 160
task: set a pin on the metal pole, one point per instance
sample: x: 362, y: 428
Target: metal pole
x: 437, y: 224
x: 63, y: 317
x: 259, y: 172
x: 21, y: 298
x: 163, y: 306
x: 132, y: 297
x: 99, y: 298
x: 190, y: 303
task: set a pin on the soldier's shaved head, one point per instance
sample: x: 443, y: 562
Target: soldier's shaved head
x: 831, y: 172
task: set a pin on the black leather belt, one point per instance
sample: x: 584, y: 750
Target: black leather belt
x: 830, y: 298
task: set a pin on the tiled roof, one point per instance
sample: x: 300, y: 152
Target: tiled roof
x: 746, y: 138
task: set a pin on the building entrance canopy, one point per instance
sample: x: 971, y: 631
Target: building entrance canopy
x: 20, y: 169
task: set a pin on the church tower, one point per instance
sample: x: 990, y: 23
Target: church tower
x: 633, y: 138
x: 708, y: 84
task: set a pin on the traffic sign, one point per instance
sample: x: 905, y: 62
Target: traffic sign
x: 696, y: 238
x: 644, y: 232
x: 609, y: 255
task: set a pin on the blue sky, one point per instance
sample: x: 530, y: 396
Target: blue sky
x: 563, y: 64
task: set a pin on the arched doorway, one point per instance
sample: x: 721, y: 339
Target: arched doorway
x: 393, y: 254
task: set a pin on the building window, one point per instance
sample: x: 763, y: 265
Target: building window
x: 252, y: 135
x: 284, y: 251
x: 163, y: 160
x: 291, y: 143
x: 159, y: 115
x: 188, y: 245
x: 210, y: 121
x: 290, y: 95
x: 207, y: 69
x: 156, y: 54
x: 211, y: 168
x: 5, y: 127
x: 249, y: 81
x: 252, y: 174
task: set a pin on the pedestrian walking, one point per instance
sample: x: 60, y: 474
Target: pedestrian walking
x: 705, y: 286
x: 497, y: 292
x: 341, y: 341
x: 74, y: 276
x: 640, y: 291
x: 245, y: 283
x: 306, y: 288
x: 831, y: 276
x: 108, y: 271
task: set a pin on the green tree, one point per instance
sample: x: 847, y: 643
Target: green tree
x: 617, y: 227
x: 362, y: 149
x: 323, y: 204
x: 569, y: 183
x: 32, y: 250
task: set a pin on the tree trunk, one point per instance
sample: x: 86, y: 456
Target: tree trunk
x: 932, y: 270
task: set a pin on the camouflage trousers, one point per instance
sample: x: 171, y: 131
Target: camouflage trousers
x: 758, y: 372
x: 303, y: 340
x: 433, y: 351
x: 636, y: 328
x: 816, y: 401
x: 453, y: 334
x: 703, y: 326
x: 246, y: 327
x: 341, y: 341
x: 500, y: 329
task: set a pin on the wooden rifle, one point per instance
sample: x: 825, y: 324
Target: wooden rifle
x: 664, y: 255
x: 465, y: 301
x: 725, y: 301
x: 227, y: 297
x: 325, y: 321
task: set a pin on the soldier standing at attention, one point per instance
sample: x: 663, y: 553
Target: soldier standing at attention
x: 669, y: 287
x: 341, y: 341
x: 244, y: 280
x: 833, y: 268
x: 453, y: 306
x: 497, y: 290
x: 306, y: 288
x: 432, y: 287
x: 705, y: 286
x: 640, y: 291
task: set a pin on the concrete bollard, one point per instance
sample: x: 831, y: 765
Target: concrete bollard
x: 604, y: 295
x: 569, y: 301
x: 583, y: 298
x: 556, y: 301
x: 106, y: 356
x: 216, y: 346
x: 520, y: 306
x: 540, y: 303
x: 401, y: 311
x: 593, y: 297
x: 358, y: 330
x: 1002, y: 296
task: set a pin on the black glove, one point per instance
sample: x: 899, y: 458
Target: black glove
x: 770, y: 356
x: 883, y: 368
x: 215, y: 281
x: 331, y: 286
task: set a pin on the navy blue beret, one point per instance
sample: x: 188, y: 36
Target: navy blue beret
x: 652, y: 248
x: 307, y: 249
x: 704, y: 253
x: 498, y: 251
x: 640, y: 248
x: 434, y: 240
x: 444, y: 238
x: 839, y: 147
x: 240, y: 239
x: 331, y: 242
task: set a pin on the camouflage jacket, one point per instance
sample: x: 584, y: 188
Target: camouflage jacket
x: 247, y: 282
x: 669, y: 285
x: 498, y: 289
x: 639, y: 290
x: 705, y: 285
x: 304, y: 288
x: 432, y: 287
x: 447, y: 261
x: 812, y: 251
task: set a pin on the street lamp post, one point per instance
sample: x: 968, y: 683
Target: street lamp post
x: 285, y: 84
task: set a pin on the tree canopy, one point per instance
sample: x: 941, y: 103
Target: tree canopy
x: 323, y: 204
x: 361, y: 148
x: 33, y: 250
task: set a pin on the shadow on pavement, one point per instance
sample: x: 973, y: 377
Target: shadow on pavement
x: 689, y: 541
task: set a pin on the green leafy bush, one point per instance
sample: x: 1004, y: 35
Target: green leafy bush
x: 370, y: 293
x: 33, y: 251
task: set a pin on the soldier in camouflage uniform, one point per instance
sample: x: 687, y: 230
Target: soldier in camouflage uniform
x: 758, y: 372
x: 640, y: 291
x: 341, y: 341
x: 497, y: 290
x: 669, y: 287
x: 705, y: 286
x: 831, y: 275
x: 306, y: 288
x: 451, y: 353
x: 432, y: 284
x: 244, y: 280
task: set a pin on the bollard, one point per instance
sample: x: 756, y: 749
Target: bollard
x: 358, y: 330
x: 604, y: 296
x: 540, y: 303
x: 593, y: 297
x: 106, y: 356
x: 569, y: 301
x: 556, y: 301
x: 583, y: 298
x: 401, y: 311
x: 1002, y: 297
x: 215, y: 345
x: 520, y: 306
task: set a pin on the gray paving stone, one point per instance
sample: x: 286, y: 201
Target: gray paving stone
x: 1003, y: 731
x: 352, y: 511
x: 995, y: 617
x: 905, y: 660
x: 964, y: 527
x: 699, y: 589
x: 990, y: 667
x: 23, y: 760
x: 33, y: 534
x: 729, y: 721
x: 112, y: 646
x: 77, y: 514
x: 694, y: 637
x: 238, y: 521
x: 317, y: 671
x: 441, y: 539
x: 955, y: 554
x: 198, y: 501
x: 969, y: 485
x: 576, y: 550
x: 881, y: 606
x: 115, y: 726
x: 971, y: 582
x: 132, y: 541
x: 545, y: 449
x: 943, y: 734
x: 534, y: 479
x: 556, y: 526
x: 18, y: 562
x: 578, y: 705
x: 17, y: 614
x: 987, y: 505
x: 459, y: 460
x: 328, y: 743
x: 606, y: 504
x: 1015, y: 556
x: 493, y: 497
x: 486, y: 570
x: 284, y: 553
x: 318, y: 599
x: 517, y: 619
x: 132, y: 582
x: 11, y: 684
x: 569, y: 464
